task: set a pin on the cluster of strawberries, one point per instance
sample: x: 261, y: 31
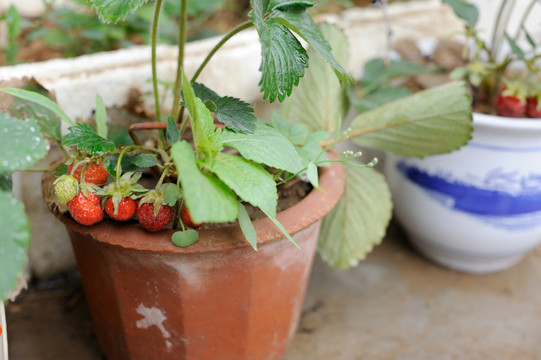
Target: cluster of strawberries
x: 89, y: 200
x: 518, y: 101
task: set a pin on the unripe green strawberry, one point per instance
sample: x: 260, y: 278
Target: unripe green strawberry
x: 66, y: 188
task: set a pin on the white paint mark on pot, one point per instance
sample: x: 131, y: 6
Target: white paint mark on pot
x: 152, y: 317
x: 189, y: 272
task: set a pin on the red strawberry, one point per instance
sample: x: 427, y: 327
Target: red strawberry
x: 125, y: 211
x: 86, y: 210
x: 95, y: 173
x: 533, y: 108
x: 154, y: 222
x: 511, y: 101
x: 187, y: 218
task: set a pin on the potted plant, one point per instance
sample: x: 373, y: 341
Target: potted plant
x: 156, y: 286
x: 477, y: 209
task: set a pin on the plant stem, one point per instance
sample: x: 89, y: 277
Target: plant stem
x: 162, y: 177
x: 239, y: 28
x: 118, y: 167
x: 524, y: 18
x: 154, y: 41
x: 180, y: 59
x: 499, y: 28
x: 236, y: 30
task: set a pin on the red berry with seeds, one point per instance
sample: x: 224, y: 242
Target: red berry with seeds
x: 125, y: 210
x: 533, y: 108
x: 187, y: 219
x: 511, y: 101
x: 510, y: 106
x: 154, y: 222
x: 86, y: 210
x: 94, y: 173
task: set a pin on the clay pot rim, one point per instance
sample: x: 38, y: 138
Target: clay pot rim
x: 309, y: 210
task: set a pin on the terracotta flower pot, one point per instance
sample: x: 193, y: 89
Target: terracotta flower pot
x: 216, y: 299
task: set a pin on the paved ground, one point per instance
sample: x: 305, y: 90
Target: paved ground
x: 394, y: 305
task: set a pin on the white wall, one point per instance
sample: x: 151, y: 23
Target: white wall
x: 489, y: 10
x: 29, y: 7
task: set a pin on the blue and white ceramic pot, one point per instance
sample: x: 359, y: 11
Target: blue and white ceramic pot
x: 477, y: 209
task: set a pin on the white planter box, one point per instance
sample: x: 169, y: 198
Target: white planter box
x: 233, y: 71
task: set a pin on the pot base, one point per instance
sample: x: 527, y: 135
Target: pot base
x: 465, y: 262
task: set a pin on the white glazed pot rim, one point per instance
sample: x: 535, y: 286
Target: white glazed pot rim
x: 506, y: 123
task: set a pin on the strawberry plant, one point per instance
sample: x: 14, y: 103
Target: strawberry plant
x: 500, y: 70
x: 212, y: 156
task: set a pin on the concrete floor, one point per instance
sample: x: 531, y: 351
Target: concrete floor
x: 394, y: 305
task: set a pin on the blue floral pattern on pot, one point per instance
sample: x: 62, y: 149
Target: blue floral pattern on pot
x: 503, y: 199
x: 476, y: 209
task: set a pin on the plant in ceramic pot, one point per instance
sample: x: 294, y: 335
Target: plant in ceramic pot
x: 172, y: 264
x: 477, y: 209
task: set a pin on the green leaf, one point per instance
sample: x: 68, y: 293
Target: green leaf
x: 15, y: 239
x: 311, y: 172
x: 61, y: 170
x: 311, y: 150
x: 320, y: 101
x: 285, y: 4
x: 376, y: 72
x: 465, y: 11
x: 529, y: 37
x: 299, y: 20
x: 432, y: 121
x: 208, y: 199
x: 82, y: 136
x: 185, y: 238
x: 21, y: 144
x: 514, y: 47
x: 144, y: 161
x: 6, y: 182
x: 247, y: 227
x: 259, y: 9
x: 172, y: 194
x: 207, y: 142
x: 359, y: 220
x: 173, y: 134
x: 283, y: 60
x: 115, y: 10
x: 40, y: 100
x: 47, y: 120
x: 283, y: 230
x: 295, y: 133
x: 379, y: 98
x: 101, y: 117
x: 234, y: 113
x: 249, y: 181
x: 265, y: 146
x: 94, y: 34
x: 13, y: 21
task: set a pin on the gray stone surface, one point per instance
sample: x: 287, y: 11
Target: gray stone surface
x: 398, y: 305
